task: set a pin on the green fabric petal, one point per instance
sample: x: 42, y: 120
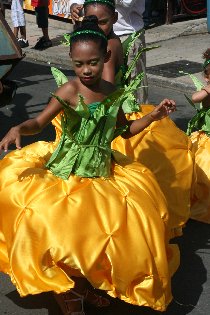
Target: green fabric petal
x: 59, y: 76
x: 201, y: 120
x: 133, y: 63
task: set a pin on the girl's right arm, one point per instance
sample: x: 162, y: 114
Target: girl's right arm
x: 35, y: 125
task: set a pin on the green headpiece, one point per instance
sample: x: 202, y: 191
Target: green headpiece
x: 99, y: 1
x: 206, y: 63
x: 76, y: 33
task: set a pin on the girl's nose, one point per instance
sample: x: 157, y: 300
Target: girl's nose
x: 87, y: 70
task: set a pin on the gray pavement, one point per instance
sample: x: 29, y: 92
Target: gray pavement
x: 181, y: 45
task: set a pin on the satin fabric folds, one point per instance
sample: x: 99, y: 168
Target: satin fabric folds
x: 167, y: 152
x: 113, y: 231
x: 200, y: 201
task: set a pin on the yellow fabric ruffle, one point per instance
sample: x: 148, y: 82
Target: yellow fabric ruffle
x: 166, y: 151
x: 111, y: 231
x: 200, y: 202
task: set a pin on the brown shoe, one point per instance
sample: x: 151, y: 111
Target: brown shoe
x: 70, y: 302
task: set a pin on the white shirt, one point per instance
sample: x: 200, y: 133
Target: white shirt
x: 130, y: 15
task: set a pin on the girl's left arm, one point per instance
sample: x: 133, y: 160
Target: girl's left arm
x: 136, y: 126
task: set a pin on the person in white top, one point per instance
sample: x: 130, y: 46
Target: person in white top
x: 19, y: 22
x: 130, y: 19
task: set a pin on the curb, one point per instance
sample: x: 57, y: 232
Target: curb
x: 167, y: 83
x: 44, y: 57
x: 166, y: 32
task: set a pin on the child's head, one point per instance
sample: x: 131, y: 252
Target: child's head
x: 105, y: 12
x: 88, y: 50
x: 206, y: 64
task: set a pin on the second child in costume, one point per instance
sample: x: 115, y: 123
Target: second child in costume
x: 199, y: 131
x: 79, y: 212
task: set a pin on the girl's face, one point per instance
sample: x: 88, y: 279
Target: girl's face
x: 88, y: 61
x: 105, y: 16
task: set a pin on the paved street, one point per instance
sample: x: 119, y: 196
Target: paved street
x: 191, y: 284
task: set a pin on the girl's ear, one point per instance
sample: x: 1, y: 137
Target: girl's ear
x: 107, y: 56
x: 70, y: 55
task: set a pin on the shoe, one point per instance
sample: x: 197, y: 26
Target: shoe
x: 65, y: 301
x: 96, y: 300
x: 23, y: 42
x: 43, y: 44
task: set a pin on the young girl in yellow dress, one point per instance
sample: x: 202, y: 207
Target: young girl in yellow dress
x: 200, y: 203
x: 78, y: 212
x: 162, y: 147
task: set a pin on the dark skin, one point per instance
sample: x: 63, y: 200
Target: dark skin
x: 106, y: 19
x: 204, y: 94
x: 88, y: 61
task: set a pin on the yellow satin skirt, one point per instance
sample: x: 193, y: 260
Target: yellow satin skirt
x: 166, y: 151
x: 200, y: 202
x: 112, y: 231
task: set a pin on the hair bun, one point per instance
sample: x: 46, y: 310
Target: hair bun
x: 91, y: 19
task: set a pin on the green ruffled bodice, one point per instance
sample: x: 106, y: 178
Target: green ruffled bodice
x: 200, y: 122
x: 87, y: 132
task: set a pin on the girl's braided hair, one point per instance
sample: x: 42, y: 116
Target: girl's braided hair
x: 108, y: 3
x: 89, y: 31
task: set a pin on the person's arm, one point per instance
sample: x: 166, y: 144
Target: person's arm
x: 115, y: 60
x: 75, y: 9
x: 108, y: 73
x: 35, y: 125
x: 201, y: 95
x: 136, y: 126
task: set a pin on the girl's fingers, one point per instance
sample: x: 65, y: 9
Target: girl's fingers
x: 6, y: 148
x: 17, y: 142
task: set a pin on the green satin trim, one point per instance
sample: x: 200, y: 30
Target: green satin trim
x: 92, y: 107
x: 87, y: 132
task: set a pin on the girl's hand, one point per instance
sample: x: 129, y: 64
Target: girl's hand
x: 75, y: 10
x: 13, y: 136
x: 165, y: 108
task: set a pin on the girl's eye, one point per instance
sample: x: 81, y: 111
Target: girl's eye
x: 93, y: 63
x: 78, y: 65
